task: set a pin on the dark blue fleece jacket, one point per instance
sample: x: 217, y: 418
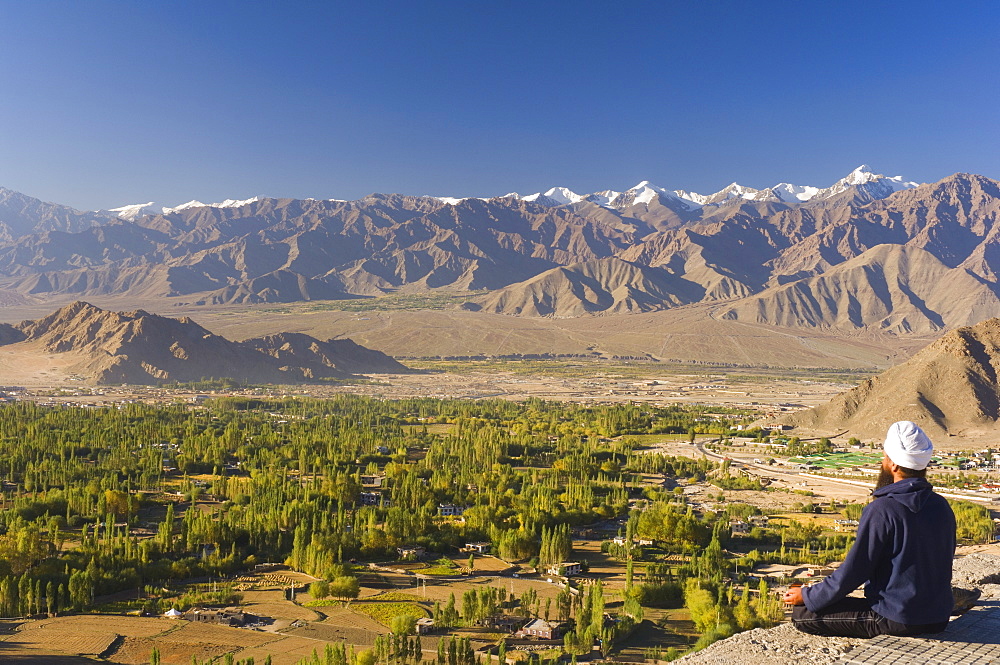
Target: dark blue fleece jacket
x: 903, y: 554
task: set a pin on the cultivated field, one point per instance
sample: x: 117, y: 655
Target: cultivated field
x: 287, y: 650
x: 115, y: 636
x: 272, y: 604
x: 189, y: 639
x: 342, y: 624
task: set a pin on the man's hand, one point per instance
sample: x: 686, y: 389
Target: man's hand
x: 794, y: 596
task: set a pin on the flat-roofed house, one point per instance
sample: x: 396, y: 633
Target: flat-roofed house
x: 565, y: 569
x: 539, y: 629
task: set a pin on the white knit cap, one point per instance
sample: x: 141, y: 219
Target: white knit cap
x: 908, y: 446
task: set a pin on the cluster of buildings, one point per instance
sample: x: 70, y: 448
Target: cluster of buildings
x: 228, y: 616
x: 417, y: 552
x: 743, y: 527
x: 984, y: 460
x: 450, y: 510
x: 105, y: 396
x: 565, y: 569
x: 849, y: 526
x: 534, y: 629
x: 779, y: 573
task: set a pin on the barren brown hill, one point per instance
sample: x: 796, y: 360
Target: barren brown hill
x: 949, y: 387
x: 298, y: 350
x: 142, y: 348
x: 726, y: 258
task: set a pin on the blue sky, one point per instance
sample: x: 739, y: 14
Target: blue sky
x: 107, y: 103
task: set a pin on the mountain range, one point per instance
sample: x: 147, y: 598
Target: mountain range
x: 141, y: 348
x: 863, y: 182
x: 868, y: 252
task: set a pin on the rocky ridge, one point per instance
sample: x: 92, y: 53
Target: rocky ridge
x: 142, y: 348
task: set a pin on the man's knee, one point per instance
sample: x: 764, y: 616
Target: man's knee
x: 804, y: 620
x: 801, y: 613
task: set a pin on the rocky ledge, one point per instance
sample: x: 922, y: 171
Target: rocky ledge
x: 972, y: 638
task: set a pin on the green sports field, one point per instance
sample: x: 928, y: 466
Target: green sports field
x: 839, y: 460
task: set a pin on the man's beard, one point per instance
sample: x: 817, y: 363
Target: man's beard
x: 884, y: 478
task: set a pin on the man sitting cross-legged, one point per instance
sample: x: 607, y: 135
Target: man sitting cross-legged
x: 903, y: 555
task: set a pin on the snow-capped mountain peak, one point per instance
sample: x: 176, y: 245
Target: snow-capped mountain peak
x: 134, y: 211
x: 870, y: 184
x: 646, y: 191
x: 861, y: 175
x: 730, y: 191
x: 603, y: 198
x: 184, y: 206
x: 234, y: 203
x: 693, y: 197
x: 789, y: 193
x: 561, y: 195
x: 734, y: 190
x: 737, y: 189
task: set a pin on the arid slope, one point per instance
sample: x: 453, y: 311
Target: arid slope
x: 949, y: 387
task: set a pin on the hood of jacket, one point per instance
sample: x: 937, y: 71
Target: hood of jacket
x: 911, y: 492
